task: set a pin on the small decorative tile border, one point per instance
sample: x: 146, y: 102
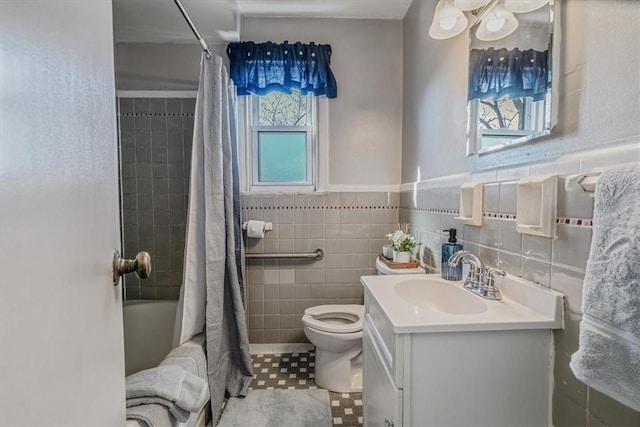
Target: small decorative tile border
x: 249, y: 208
x: 579, y: 222
x: 499, y: 215
x: 432, y: 210
x: 156, y: 114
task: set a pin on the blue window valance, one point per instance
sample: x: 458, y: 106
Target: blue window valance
x: 496, y: 73
x: 260, y: 68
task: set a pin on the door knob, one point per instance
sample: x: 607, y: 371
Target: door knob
x: 141, y: 265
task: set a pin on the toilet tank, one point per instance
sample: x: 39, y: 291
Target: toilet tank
x: 384, y: 270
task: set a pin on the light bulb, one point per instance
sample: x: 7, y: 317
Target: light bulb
x: 495, y: 24
x: 448, y: 22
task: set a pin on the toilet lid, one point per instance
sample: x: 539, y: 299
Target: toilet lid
x: 337, y: 318
x: 387, y: 271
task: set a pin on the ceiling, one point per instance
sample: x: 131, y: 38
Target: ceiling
x: 159, y: 21
x: 366, y: 9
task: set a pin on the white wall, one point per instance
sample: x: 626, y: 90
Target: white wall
x: 160, y: 66
x: 599, y: 90
x: 366, y: 119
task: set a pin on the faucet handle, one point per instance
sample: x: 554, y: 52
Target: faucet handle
x: 490, y: 276
x: 474, y: 271
x: 493, y: 272
x: 489, y: 286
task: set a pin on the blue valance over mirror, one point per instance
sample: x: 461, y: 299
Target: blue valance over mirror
x: 498, y: 73
x: 260, y: 68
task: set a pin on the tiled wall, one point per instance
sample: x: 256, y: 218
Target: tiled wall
x: 155, y: 140
x: 557, y: 263
x: 349, y: 227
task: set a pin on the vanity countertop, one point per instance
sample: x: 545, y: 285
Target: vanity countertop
x: 429, y: 303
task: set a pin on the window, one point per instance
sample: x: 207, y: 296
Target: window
x: 282, y: 149
x: 502, y: 120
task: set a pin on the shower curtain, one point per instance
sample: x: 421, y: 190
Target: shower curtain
x: 212, y: 294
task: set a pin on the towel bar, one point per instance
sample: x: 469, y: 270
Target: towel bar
x: 318, y: 254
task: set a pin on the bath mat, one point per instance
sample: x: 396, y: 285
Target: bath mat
x: 278, y: 408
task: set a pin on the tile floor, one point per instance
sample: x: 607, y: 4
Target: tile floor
x: 296, y: 371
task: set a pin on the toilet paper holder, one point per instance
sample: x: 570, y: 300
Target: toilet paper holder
x: 268, y: 226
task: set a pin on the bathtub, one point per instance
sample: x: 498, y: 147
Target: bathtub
x: 148, y: 333
x: 148, y: 337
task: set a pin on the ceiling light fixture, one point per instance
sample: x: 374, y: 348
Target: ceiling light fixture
x: 496, y: 24
x: 448, y: 21
x: 467, y: 5
x: 524, y: 6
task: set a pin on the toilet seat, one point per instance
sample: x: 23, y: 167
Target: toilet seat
x: 318, y: 318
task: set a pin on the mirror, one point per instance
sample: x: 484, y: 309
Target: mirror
x: 513, y: 74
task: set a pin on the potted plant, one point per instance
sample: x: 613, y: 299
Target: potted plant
x: 402, y: 244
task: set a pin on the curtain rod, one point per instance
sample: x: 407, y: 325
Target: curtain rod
x: 187, y: 18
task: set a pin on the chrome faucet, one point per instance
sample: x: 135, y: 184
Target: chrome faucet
x: 481, y: 279
x: 475, y: 267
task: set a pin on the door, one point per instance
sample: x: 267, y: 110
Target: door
x: 61, y: 341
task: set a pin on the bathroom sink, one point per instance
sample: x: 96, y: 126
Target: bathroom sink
x: 429, y: 303
x: 439, y: 296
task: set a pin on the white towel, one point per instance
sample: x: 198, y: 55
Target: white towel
x: 608, y: 357
x: 153, y: 415
x: 170, y: 384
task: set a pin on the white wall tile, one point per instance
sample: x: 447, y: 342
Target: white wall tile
x: 572, y: 245
x: 536, y: 271
x: 271, y: 277
x: 536, y: 247
x: 287, y: 277
x: 570, y: 282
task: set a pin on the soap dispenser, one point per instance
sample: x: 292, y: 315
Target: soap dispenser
x: 448, y: 249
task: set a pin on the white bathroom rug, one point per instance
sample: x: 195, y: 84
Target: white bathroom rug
x: 278, y: 408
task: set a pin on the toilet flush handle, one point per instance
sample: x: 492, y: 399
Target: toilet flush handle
x: 141, y: 265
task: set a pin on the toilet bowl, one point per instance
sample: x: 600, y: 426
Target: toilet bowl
x: 336, y: 331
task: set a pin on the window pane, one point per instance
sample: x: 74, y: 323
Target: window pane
x: 503, y: 113
x: 279, y: 109
x: 282, y: 156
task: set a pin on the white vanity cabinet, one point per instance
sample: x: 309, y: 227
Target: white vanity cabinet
x: 382, y: 393
x: 438, y: 375
x: 383, y: 405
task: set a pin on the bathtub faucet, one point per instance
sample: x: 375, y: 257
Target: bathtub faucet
x: 481, y: 279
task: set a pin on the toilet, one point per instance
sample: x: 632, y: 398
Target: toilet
x: 336, y: 331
